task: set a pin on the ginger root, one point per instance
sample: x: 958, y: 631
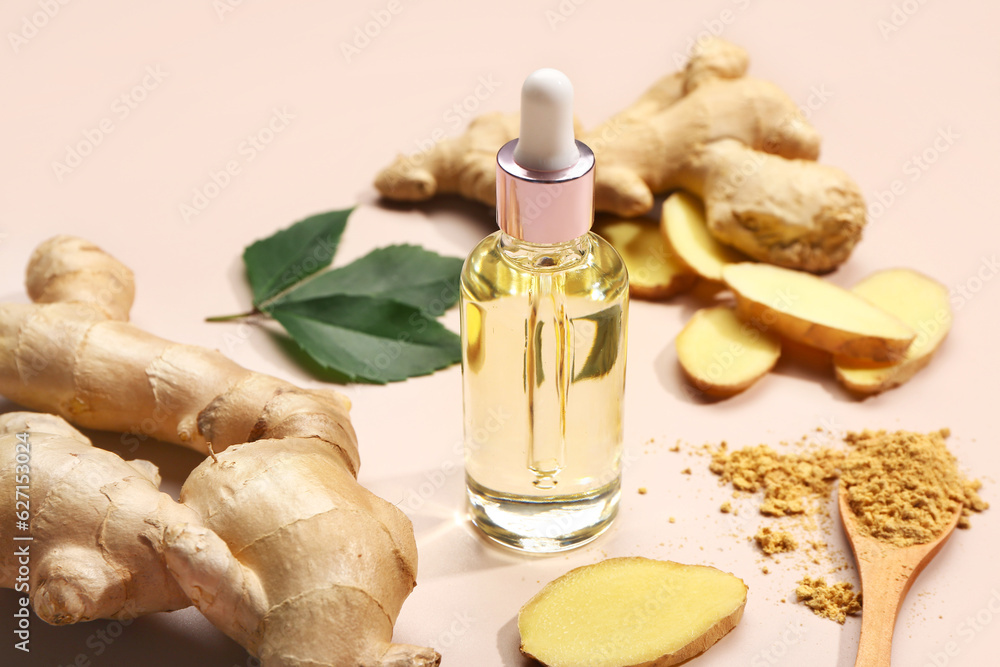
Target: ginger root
x: 744, y: 147
x: 290, y: 555
x: 739, y: 143
x: 96, y: 523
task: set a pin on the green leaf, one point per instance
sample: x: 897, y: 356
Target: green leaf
x: 405, y: 273
x: 276, y: 263
x: 371, y: 339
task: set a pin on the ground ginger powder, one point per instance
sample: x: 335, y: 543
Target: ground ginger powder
x: 904, y: 488
x: 832, y: 601
x: 774, y: 541
x: 787, y: 480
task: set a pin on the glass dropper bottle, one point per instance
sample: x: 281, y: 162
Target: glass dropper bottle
x: 544, y: 319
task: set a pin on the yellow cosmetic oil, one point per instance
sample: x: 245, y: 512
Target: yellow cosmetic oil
x: 544, y: 319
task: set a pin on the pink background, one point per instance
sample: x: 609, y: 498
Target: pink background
x: 883, y: 82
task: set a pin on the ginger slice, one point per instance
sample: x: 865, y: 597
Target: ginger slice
x: 810, y: 310
x: 722, y: 355
x: 654, y: 270
x: 915, y: 299
x: 630, y: 611
x: 683, y: 226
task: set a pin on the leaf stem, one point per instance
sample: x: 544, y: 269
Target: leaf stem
x: 230, y: 318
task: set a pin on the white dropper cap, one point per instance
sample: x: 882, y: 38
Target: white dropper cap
x: 546, y: 142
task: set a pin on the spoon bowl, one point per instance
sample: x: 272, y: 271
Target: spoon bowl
x: 887, y: 573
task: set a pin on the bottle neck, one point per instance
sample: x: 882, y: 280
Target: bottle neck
x: 544, y: 256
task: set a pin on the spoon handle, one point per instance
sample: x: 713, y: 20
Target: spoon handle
x: 889, y: 580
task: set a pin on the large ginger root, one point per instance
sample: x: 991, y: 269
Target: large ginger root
x: 96, y: 523
x: 317, y: 573
x: 466, y: 165
x: 744, y: 147
x: 793, y: 213
x: 295, y: 560
x: 652, y: 145
x: 739, y: 143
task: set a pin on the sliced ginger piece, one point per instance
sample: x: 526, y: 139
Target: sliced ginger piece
x: 915, y: 299
x: 683, y: 226
x: 630, y: 611
x: 654, y: 270
x: 810, y: 310
x: 722, y: 355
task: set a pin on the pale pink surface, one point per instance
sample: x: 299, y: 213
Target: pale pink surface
x: 879, y: 98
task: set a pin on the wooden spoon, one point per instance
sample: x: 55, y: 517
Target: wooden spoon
x: 887, y: 572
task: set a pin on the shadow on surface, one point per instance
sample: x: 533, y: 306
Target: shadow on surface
x: 447, y: 210
x: 508, y: 643
x: 182, y: 637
